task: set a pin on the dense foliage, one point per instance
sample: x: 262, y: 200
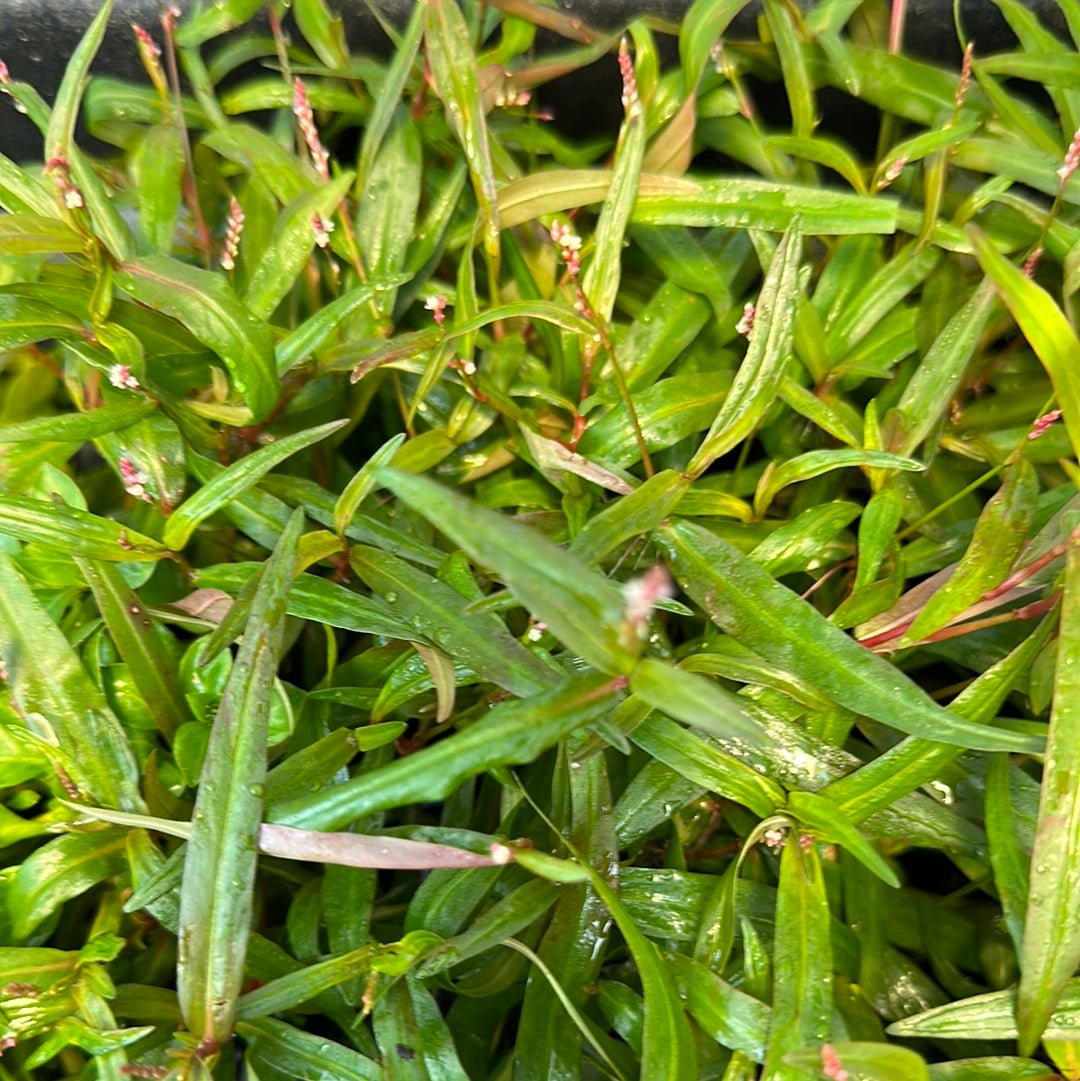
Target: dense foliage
x: 476, y: 602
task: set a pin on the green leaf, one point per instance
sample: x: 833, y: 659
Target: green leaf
x: 991, y: 1017
x: 1051, y: 950
x: 705, y: 763
x: 79, y: 427
x: 363, y: 483
x: 1008, y: 858
x: 436, y: 613
x: 60, y: 702
x: 1002, y: 529
x: 510, y: 734
x: 666, y: 200
x: 68, y: 529
x: 290, y: 248
x: 454, y: 71
x: 310, y: 336
x: 601, y: 280
x: 762, y: 371
x: 802, y: 960
x: 274, y: 1044
x: 205, y: 304
x: 237, y: 478
x: 582, y: 608
x: 774, y: 622
x: 1044, y: 325
x: 728, y: 1015
x: 872, y: 1061
x: 413, y: 1036
x: 65, y: 112
x: 822, y: 816
x: 219, y: 869
x: 61, y: 869
x: 816, y: 462
x: 136, y: 639
x: 160, y: 169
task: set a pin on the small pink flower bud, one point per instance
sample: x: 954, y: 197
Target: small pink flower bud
x: 134, y: 480
x: 745, y: 325
x: 437, y: 306
x: 640, y: 596
x: 830, y: 1064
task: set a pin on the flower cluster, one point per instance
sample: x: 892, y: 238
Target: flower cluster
x: 69, y: 192
x: 1071, y: 161
x: 134, y: 480
x: 120, y: 376
x: 437, y: 306
x: 569, y: 245
x: 745, y: 326
x: 323, y: 227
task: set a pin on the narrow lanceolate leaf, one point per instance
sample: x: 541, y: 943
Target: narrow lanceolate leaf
x: 78, y: 427
x: 60, y: 701
x: 205, y: 304
x: 1044, y: 325
x: 68, y: 529
x: 762, y: 370
x: 316, y: 330
x: 802, y: 961
x: 450, y: 54
x: 1051, y: 950
x: 293, y: 242
x: 743, y: 598
x: 1001, y: 531
x: 601, y: 282
x: 436, y: 612
x: 138, y: 643
x: 990, y: 1017
x: 65, y: 111
x: 512, y: 733
x: 667, y: 1043
x: 240, y: 476
x: 580, y: 606
x: 219, y: 869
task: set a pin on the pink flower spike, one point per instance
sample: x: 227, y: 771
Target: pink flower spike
x: 145, y: 42
x: 305, y: 120
x: 1044, y: 422
x: 830, y: 1064
x: 630, y: 100
x: 1031, y: 263
x: 965, y: 76
x: 1072, y: 159
x: 5, y: 75
x: 134, y: 480
x: 233, y: 230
